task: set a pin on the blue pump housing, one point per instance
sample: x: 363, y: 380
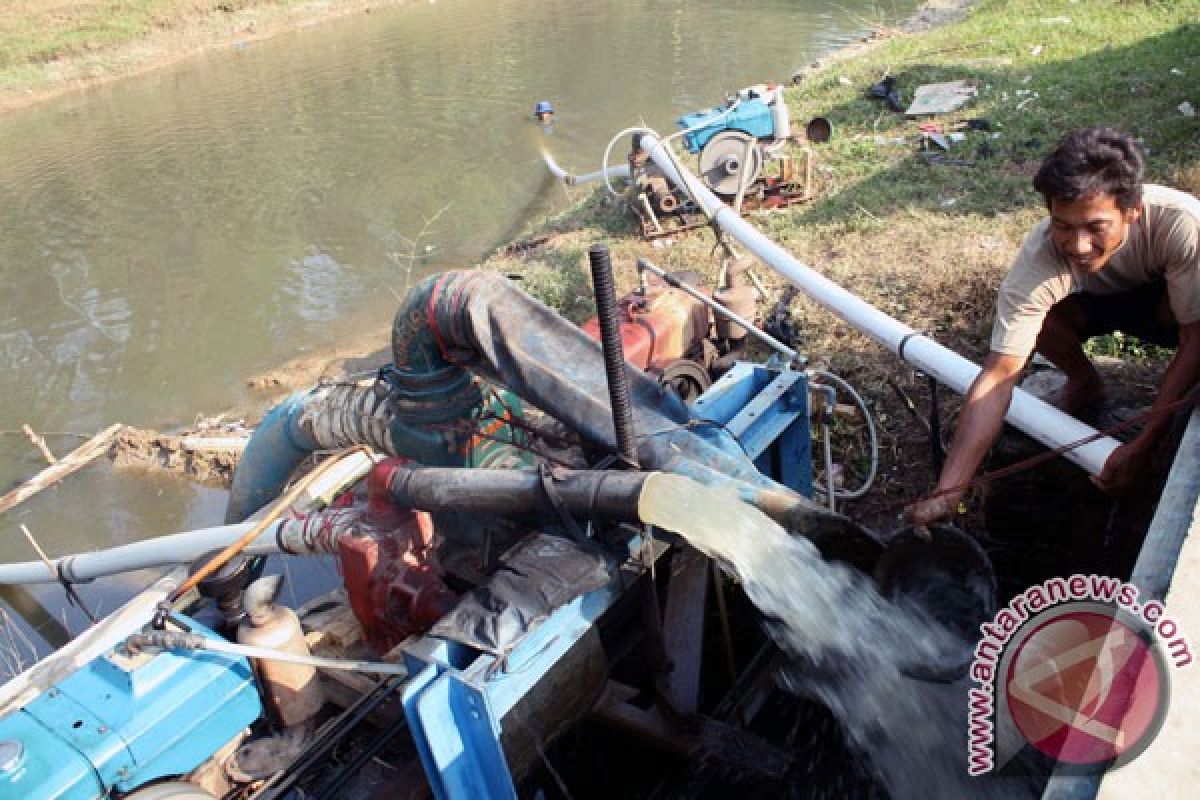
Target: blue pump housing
x: 122, y: 721
x: 752, y: 116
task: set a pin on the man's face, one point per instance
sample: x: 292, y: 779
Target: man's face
x: 1088, y: 230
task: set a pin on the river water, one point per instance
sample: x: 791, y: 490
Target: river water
x: 165, y: 237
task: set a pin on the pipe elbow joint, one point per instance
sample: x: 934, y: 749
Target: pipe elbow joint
x: 279, y: 443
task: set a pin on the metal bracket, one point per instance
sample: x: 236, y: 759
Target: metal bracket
x: 766, y: 410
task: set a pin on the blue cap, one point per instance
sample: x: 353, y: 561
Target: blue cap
x: 543, y: 107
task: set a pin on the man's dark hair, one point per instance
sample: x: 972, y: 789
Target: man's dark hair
x: 1093, y: 161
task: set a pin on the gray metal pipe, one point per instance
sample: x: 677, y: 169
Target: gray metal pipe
x: 174, y: 640
x: 161, y: 551
x: 1040, y: 420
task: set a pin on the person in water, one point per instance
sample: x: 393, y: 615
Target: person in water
x: 543, y: 112
x: 1113, y: 254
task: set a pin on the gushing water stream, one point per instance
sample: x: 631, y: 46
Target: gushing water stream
x: 851, y: 648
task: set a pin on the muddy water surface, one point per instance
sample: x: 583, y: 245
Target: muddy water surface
x: 165, y: 237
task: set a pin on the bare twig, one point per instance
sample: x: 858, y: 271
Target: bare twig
x: 75, y: 434
x: 40, y: 444
x: 85, y: 453
x: 15, y: 646
x: 406, y: 261
x: 72, y: 596
x: 867, y: 213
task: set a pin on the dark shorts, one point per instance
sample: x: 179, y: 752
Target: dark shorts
x: 1138, y: 312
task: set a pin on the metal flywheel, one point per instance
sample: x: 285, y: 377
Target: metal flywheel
x: 728, y: 159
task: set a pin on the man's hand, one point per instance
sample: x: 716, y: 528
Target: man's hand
x: 1125, y: 468
x: 978, y: 425
x: 924, y: 513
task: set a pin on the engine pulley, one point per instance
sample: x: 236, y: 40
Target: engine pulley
x: 728, y: 160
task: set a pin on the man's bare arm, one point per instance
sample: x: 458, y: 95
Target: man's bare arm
x: 1126, y: 463
x: 979, y: 424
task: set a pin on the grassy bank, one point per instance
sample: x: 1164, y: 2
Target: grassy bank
x: 48, y: 47
x: 928, y: 243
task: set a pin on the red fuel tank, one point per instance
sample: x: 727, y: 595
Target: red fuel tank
x: 658, y: 328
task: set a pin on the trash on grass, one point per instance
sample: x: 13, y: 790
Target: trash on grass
x: 886, y: 90
x: 941, y: 98
x: 818, y: 130
x: 1187, y: 109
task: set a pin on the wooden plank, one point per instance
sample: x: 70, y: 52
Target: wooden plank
x: 80, y: 457
x: 614, y: 707
x: 97, y: 640
x: 683, y: 628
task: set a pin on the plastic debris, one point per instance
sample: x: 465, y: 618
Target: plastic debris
x: 1056, y: 20
x: 1036, y: 50
x: 1187, y: 109
x: 941, y: 98
x: 1177, y: 71
x: 886, y: 90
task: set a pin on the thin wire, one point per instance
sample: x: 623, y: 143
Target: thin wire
x: 1041, y: 458
x: 872, y: 433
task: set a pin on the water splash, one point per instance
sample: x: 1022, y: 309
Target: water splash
x: 851, y: 648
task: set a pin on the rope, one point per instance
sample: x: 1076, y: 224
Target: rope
x: 1041, y: 458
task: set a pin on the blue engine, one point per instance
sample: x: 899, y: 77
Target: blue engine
x: 751, y: 115
x: 124, y: 720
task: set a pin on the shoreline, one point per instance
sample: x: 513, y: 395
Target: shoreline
x: 194, y: 35
x: 190, y: 36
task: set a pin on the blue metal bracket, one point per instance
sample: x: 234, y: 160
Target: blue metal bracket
x: 766, y: 410
x: 457, y: 699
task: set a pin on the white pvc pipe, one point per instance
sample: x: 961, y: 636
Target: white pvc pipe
x: 621, y: 171
x: 1040, y: 420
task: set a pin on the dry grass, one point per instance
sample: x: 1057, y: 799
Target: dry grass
x: 17, y: 651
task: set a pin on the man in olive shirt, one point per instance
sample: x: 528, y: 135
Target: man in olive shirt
x: 1114, y: 254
